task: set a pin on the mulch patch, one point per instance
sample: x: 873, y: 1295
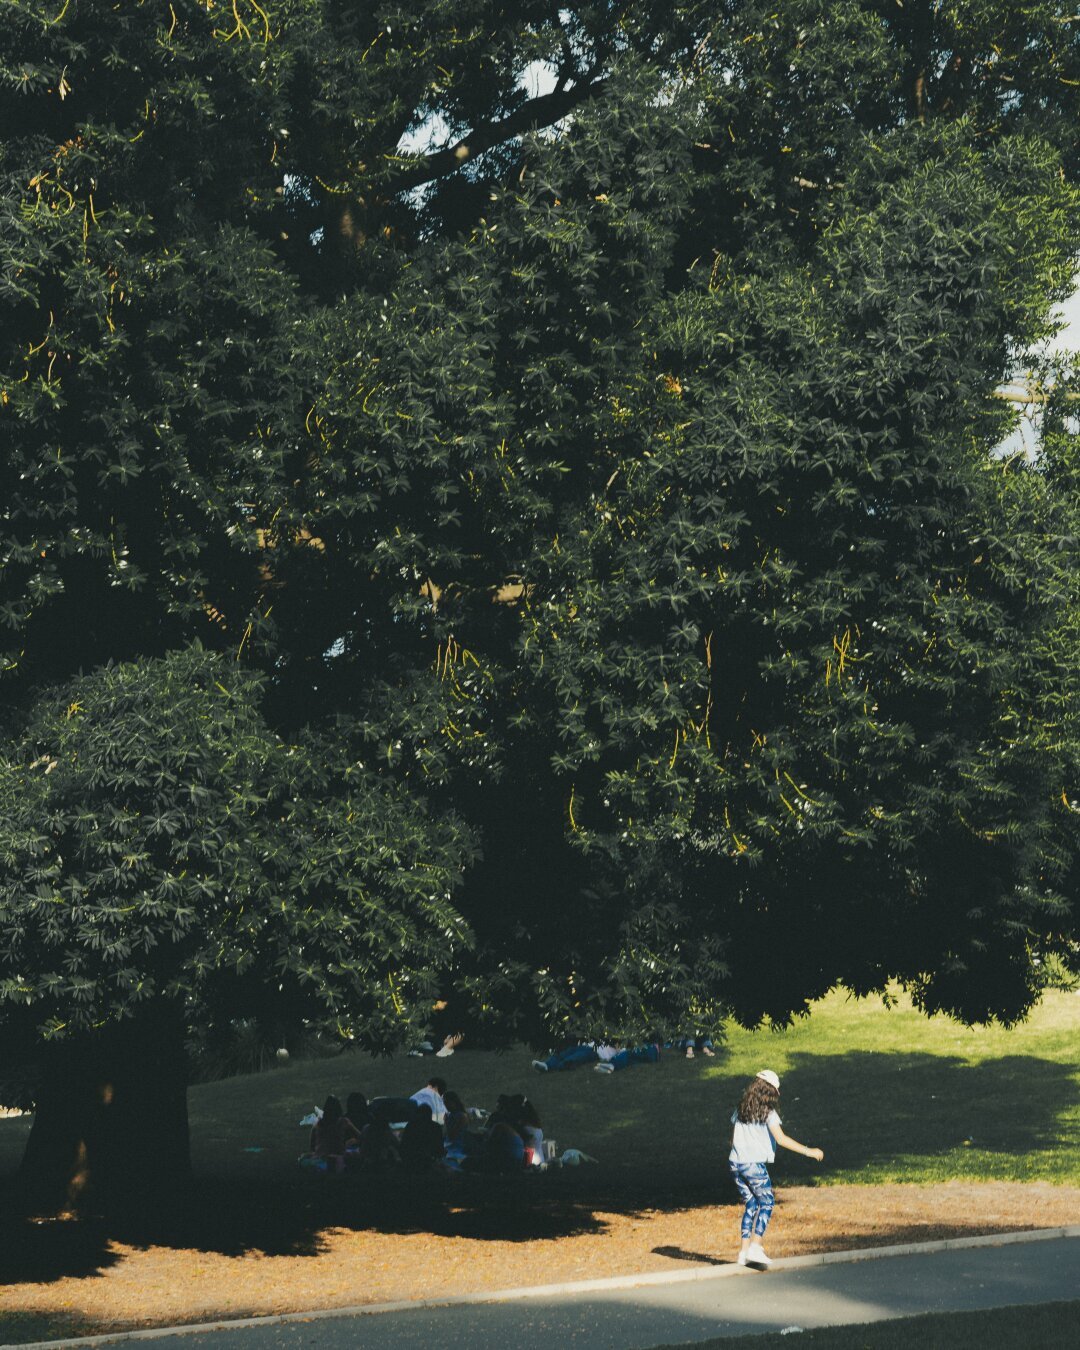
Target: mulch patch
x: 231, y: 1252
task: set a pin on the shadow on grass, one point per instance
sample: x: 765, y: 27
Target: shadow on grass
x: 235, y: 1216
x: 38, y: 1250
x: 866, y: 1108
x: 863, y: 1108
x: 20, y: 1328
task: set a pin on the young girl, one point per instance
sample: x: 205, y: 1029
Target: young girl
x: 753, y: 1144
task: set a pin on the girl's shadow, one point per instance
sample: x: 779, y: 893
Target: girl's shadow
x: 681, y: 1254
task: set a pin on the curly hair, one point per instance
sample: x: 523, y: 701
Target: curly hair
x: 758, y: 1099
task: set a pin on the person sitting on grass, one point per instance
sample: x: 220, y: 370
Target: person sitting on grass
x: 504, y: 1149
x: 432, y: 1095
x: 756, y: 1133
x: 531, y: 1132
x: 331, y: 1134
x: 459, y: 1142
x: 421, y: 1145
x: 378, y: 1148
x: 356, y: 1108
x: 507, y: 1110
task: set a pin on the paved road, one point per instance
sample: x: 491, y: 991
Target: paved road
x: 646, y: 1316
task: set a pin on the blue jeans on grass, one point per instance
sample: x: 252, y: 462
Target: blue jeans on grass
x: 572, y: 1055
x: 640, y: 1054
x: 755, y: 1188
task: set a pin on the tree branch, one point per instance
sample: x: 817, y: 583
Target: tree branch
x: 538, y: 112
x: 569, y: 62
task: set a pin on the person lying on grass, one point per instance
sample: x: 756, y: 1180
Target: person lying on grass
x: 753, y: 1144
x: 604, y: 1057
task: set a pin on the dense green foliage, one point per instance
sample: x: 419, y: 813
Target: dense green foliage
x: 617, y: 475
x: 199, y: 861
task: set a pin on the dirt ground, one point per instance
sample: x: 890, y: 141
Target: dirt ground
x: 133, y: 1284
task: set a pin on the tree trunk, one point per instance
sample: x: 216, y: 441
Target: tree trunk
x: 111, y: 1114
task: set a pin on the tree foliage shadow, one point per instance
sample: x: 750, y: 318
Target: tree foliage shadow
x: 27, y: 1328
x: 864, y: 1108
x: 869, y: 1108
x: 234, y: 1216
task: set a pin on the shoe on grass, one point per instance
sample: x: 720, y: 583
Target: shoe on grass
x: 603, y: 1068
x: 443, y: 1051
x: 539, y: 1066
x: 756, y: 1255
x: 689, y: 1052
x: 705, y: 1050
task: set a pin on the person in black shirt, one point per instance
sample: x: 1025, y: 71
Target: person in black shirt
x: 421, y: 1142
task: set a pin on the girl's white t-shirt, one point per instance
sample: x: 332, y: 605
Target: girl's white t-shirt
x: 753, y: 1143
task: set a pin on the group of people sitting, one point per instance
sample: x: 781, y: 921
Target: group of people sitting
x: 431, y: 1129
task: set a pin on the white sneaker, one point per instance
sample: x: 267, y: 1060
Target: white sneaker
x: 603, y: 1068
x: 443, y: 1051
x: 740, y: 1260
x: 539, y: 1066
x: 756, y: 1255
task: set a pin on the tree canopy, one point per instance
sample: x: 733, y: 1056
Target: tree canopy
x: 614, y: 478
x: 201, y: 861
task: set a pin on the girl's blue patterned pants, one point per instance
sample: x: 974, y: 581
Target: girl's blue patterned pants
x: 752, y: 1180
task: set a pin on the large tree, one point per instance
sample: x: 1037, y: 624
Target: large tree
x: 611, y: 460
x: 166, y: 864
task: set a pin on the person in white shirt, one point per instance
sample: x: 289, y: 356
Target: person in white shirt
x: 753, y: 1144
x: 432, y: 1095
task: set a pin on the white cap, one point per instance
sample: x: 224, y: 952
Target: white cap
x: 770, y: 1078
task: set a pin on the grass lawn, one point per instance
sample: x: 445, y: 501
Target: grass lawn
x: 1040, y: 1326
x: 893, y: 1096
x: 887, y: 1093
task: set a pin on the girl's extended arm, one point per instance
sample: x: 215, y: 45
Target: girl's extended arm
x: 786, y: 1141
